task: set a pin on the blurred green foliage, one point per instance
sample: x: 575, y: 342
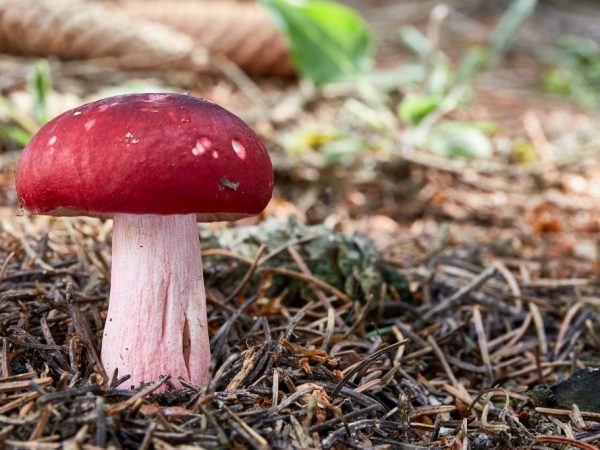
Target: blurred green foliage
x: 328, y: 41
x: 574, y: 70
x: 510, y: 22
x: 460, y: 140
x: 19, y: 127
x: 431, y: 87
x: 415, y: 107
x: 39, y: 85
x: 446, y: 86
x: 334, y: 146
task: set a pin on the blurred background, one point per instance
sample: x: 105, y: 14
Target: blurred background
x: 466, y: 120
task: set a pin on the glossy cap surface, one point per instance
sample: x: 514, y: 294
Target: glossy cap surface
x: 146, y: 154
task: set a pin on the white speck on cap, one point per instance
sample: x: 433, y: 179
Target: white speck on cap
x: 238, y: 148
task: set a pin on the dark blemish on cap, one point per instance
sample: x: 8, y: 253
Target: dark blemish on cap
x: 229, y: 184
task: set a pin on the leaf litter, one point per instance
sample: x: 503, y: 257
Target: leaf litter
x: 437, y: 336
x: 319, y: 340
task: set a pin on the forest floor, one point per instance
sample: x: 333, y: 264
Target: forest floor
x: 392, y: 299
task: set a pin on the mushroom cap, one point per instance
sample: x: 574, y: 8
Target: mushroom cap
x: 146, y: 154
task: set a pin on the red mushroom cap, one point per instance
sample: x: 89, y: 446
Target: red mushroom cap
x: 146, y: 154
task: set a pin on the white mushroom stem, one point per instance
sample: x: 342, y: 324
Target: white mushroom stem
x: 156, y: 322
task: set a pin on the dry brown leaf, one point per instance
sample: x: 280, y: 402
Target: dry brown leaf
x: 320, y: 400
x: 544, y: 218
x: 72, y: 30
x: 242, y: 32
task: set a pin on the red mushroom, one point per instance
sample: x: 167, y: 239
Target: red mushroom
x: 156, y: 164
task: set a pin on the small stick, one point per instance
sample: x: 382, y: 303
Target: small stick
x: 33, y: 445
x: 311, y: 279
x: 512, y: 283
x: 477, y: 282
x: 364, y: 363
x: 556, y: 283
x: 538, y: 365
x: 275, y: 388
x: 295, y: 321
x: 34, y: 345
x: 491, y: 427
x: 328, y: 424
x: 221, y: 252
x: 5, y: 264
x: 28, y: 250
x: 50, y: 341
x: 542, y: 439
x: 219, y: 338
x: 564, y: 326
x: 4, y: 365
x: 17, y: 402
x: 577, y: 418
x: 330, y: 328
x: 567, y: 412
x: 15, y: 385
x: 221, y: 435
x: 293, y: 242
x: 361, y: 318
x: 139, y: 396
x: 538, y: 321
x: 438, y: 352
x: 40, y: 426
x: 318, y: 292
x: 247, y: 366
x: 257, y: 439
x: 21, y: 376
x: 148, y: 436
x: 69, y: 393
x: 82, y: 330
x: 101, y: 427
x: 247, y: 275
x: 482, y: 340
x: 289, y: 400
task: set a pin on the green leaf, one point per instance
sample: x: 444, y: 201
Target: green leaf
x: 487, y: 127
x: 14, y: 134
x: 415, y: 107
x: 378, y: 119
x: 341, y: 150
x: 328, y: 41
x: 509, y: 23
x: 308, y: 137
x: 39, y: 84
x: 523, y: 151
x: 414, y: 40
x: 18, y: 116
x: 388, y: 80
x: 441, y: 75
x: 459, y: 140
x: 474, y: 61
